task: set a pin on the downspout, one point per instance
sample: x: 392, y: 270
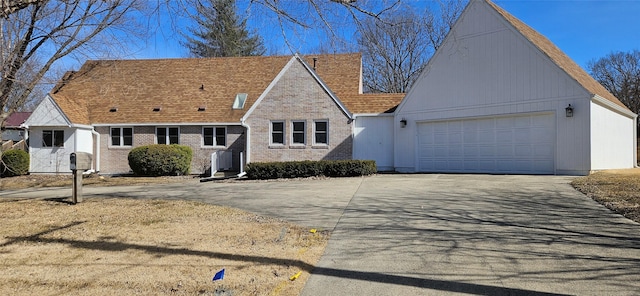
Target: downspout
x: 247, y: 136
x: 75, y: 142
x: 26, y: 140
x: 96, y: 145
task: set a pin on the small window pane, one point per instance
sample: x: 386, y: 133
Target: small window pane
x: 298, y: 138
x: 277, y: 132
x: 173, y: 135
x: 115, y: 136
x: 47, y: 138
x: 298, y: 132
x: 127, y: 136
x: 208, y: 136
x: 321, y: 132
x: 221, y: 136
x: 161, y: 135
x: 58, y: 138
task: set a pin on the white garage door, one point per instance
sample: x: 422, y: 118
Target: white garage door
x: 516, y: 144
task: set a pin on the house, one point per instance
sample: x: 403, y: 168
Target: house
x: 230, y: 111
x: 498, y: 97
x: 12, y: 131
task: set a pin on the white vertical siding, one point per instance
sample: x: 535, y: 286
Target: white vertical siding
x: 46, y: 114
x: 50, y: 159
x: 487, y: 68
x: 612, y: 139
x: 373, y: 140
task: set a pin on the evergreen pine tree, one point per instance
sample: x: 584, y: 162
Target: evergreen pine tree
x: 221, y: 33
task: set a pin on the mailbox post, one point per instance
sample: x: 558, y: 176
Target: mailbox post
x: 78, y: 161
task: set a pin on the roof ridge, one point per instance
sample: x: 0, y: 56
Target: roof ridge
x: 220, y: 58
x: 557, y: 56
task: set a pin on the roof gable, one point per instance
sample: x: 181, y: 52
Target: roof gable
x: 47, y: 113
x: 556, y: 55
x: 500, y: 60
x: 312, y: 73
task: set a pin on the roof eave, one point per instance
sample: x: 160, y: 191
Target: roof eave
x: 613, y: 106
x: 166, y: 124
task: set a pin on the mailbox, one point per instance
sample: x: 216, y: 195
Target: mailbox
x: 80, y: 161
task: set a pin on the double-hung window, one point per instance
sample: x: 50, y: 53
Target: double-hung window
x: 214, y: 136
x: 298, y: 135
x: 52, y: 138
x: 320, y: 132
x: 121, y: 136
x: 277, y: 132
x: 167, y: 135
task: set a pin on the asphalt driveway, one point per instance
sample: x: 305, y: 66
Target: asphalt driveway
x: 437, y: 234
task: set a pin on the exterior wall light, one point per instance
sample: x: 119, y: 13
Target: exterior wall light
x: 569, y: 111
x: 403, y: 123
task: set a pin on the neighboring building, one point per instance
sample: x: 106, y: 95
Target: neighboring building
x: 264, y: 108
x: 12, y: 130
x: 494, y: 98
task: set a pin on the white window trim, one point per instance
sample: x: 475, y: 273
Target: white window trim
x: 155, y: 139
x: 284, y: 132
x: 326, y: 132
x: 215, y: 140
x: 304, y: 133
x: 121, y: 136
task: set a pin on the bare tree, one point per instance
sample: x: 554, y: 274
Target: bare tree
x: 619, y: 72
x: 37, y: 36
x: 396, y: 48
x: 8, y: 7
x: 297, y: 22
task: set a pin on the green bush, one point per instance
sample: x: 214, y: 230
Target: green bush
x: 302, y: 169
x: 350, y: 168
x: 14, y: 163
x: 160, y: 160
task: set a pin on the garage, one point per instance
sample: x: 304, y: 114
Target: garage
x: 520, y: 144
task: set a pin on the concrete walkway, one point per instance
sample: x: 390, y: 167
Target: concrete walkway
x: 437, y: 234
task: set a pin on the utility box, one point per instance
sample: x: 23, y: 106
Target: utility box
x: 80, y: 161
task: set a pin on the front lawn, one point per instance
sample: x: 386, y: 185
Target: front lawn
x: 112, y: 246
x: 618, y: 190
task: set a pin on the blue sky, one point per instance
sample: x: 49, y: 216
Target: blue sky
x: 584, y: 29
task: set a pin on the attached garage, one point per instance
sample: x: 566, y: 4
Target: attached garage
x: 507, y: 144
x: 498, y: 97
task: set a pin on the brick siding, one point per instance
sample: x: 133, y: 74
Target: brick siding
x: 113, y: 160
x: 297, y: 96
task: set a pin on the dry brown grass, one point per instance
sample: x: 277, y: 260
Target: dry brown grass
x: 36, y: 181
x: 618, y: 190
x: 149, y: 247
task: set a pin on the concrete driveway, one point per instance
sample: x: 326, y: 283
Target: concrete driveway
x: 438, y: 234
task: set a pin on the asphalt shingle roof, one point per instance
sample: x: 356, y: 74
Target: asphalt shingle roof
x: 127, y: 91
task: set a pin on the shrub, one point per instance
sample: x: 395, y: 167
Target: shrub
x: 14, y: 163
x: 160, y: 160
x: 302, y: 169
x: 350, y: 168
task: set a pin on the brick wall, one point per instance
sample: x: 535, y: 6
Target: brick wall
x: 113, y: 160
x: 297, y: 96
